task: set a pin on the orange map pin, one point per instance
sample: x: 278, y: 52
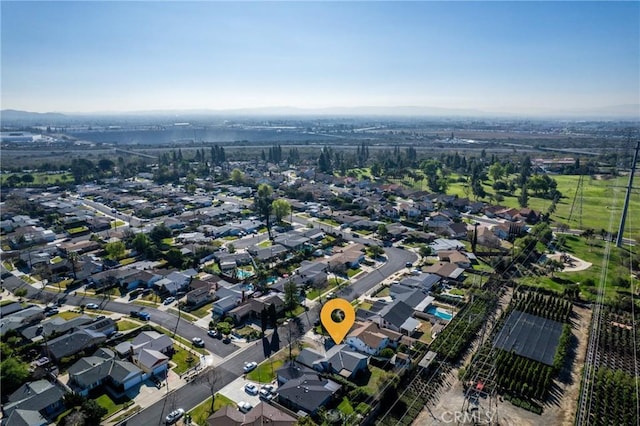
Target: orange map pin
x: 337, y: 329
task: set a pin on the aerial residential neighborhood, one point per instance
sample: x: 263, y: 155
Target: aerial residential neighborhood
x: 319, y: 213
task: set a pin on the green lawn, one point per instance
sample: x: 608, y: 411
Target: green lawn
x: 457, y: 292
x: 116, y: 223
x: 265, y: 372
x: 182, y: 314
x: 168, y: 241
x: 384, y: 292
x: 202, y: 311
x: 6, y: 302
x: 352, y: 272
x: 125, y: 324
x: 106, y: 402
x: 297, y: 311
x: 145, y: 303
x: 200, y: 414
x: 184, y: 359
x: 127, y: 261
x: 68, y: 315
x: 266, y: 243
x: 77, y: 230
x: 365, y: 306
x: 8, y: 265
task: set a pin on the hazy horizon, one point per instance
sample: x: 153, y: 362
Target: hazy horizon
x: 514, y: 58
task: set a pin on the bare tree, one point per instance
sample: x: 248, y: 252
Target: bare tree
x: 210, y: 378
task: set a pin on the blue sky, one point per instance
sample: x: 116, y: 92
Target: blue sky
x: 494, y: 56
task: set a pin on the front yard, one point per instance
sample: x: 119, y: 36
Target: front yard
x: 184, y: 359
x: 201, y: 413
x: 265, y: 372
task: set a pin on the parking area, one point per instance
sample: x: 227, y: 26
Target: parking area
x: 235, y: 391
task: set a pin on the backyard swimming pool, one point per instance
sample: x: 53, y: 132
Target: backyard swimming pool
x: 439, y: 313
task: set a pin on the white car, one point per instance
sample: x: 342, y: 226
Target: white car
x: 174, y: 416
x: 251, y: 389
x: 169, y: 300
x: 92, y: 306
x: 198, y: 342
x: 250, y: 366
x: 244, y: 406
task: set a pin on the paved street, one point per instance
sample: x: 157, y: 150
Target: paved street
x: 231, y: 368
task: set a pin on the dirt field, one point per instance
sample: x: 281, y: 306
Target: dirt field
x: 561, y: 409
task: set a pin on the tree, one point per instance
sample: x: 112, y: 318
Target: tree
x: 237, y: 176
x: 290, y: 295
x: 425, y: 251
x: 264, y: 320
x: 13, y: 374
x: 175, y: 258
x: 73, y: 257
x: 140, y: 242
x: 523, y: 199
x: 210, y: 379
x: 93, y: 412
x: 27, y: 178
x: 383, y: 232
x: 375, y: 251
x: 20, y: 292
x: 115, y: 250
x: 224, y: 328
x: 263, y: 204
x: 281, y: 208
x: 496, y: 171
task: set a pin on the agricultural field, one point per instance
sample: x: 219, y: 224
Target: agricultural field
x: 524, y: 381
x: 613, y: 393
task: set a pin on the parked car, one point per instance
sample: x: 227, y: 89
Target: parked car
x: 226, y: 340
x: 144, y: 316
x: 213, y: 333
x: 265, y: 394
x: 116, y: 335
x: 251, y: 389
x: 198, y: 342
x: 244, y: 406
x: 51, y: 312
x: 174, y: 416
x: 92, y: 306
x: 169, y: 300
x: 250, y: 366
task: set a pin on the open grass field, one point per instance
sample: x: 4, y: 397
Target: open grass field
x: 40, y: 179
x: 602, y: 199
x: 125, y: 325
x: 593, y: 252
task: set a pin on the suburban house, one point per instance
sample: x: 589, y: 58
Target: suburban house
x: 367, y: 338
x: 309, y: 274
x: 454, y: 256
x: 146, y: 340
x: 398, y: 317
x: 40, y: 395
x: 261, y: 414
x: 26, y: 418
x: 339, y: 360
x: 348, y: 257
x: 227, y: 298
x: 446, y: 270
x: 102, y: 368
x: 308, y: 393
x: 55, y: 325
x: 21, y: 319
x: 73, y: 343
x: 199, y: 296
x: 425, y: 281
x: 254, y: 306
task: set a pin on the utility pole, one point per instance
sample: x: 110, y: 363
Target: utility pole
x: 623, y: 219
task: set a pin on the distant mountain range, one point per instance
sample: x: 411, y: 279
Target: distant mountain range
x: 630, y: 111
